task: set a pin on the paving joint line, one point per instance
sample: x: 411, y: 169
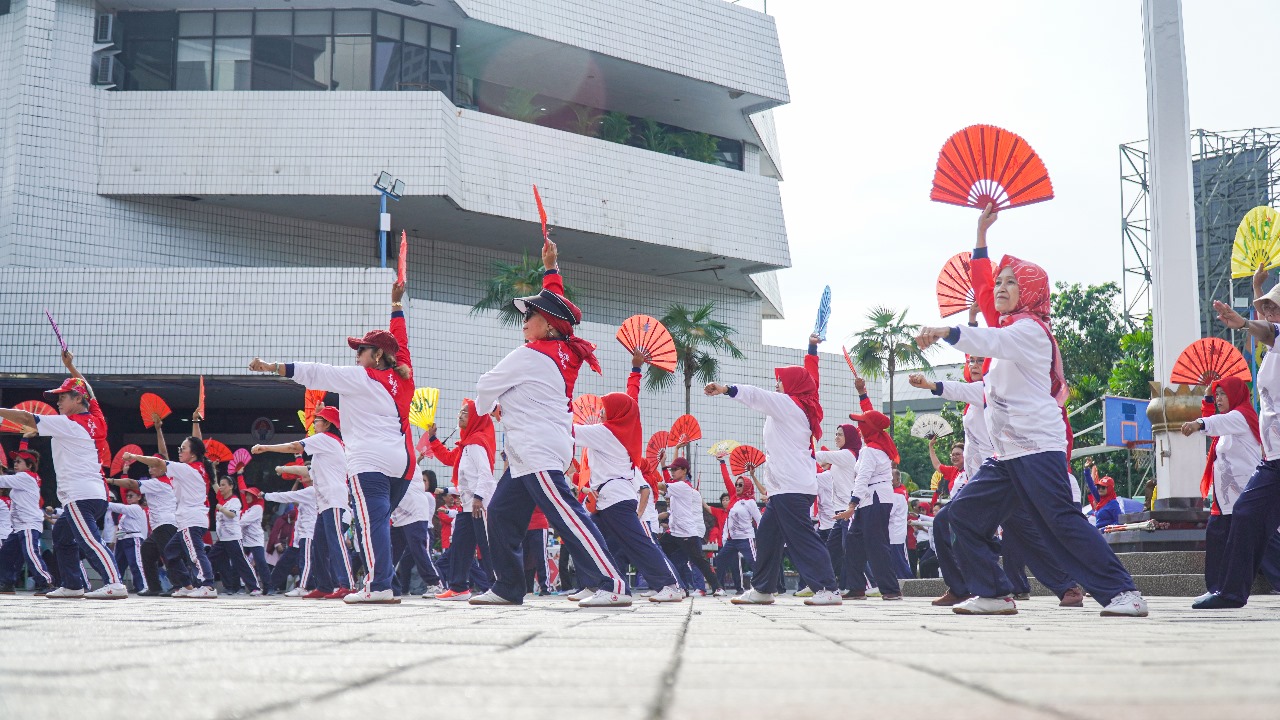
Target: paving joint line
x: 667, y: 683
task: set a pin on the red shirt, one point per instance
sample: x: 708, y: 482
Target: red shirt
x: 538, y: 521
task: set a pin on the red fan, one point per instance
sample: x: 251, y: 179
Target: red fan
x: 955, y: 285
x: 35, y: 407
x: 217, y: 451
x: 657, y: 443
x: 684, y: 431
x: 117, y: 464
x: 152, y: 407
x: 848, y: 359
x: 310, y: 402
x: 588, y: 410
x: 643, y: 333
x: 983, y: 164
x: 744, y: 459
x: 542, y: 212
x: 424, y: 446
x: 200, y: 402
x: 402, y: 265
x: 1209, y: 359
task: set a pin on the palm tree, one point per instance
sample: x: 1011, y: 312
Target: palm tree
x: 697, y: 336
x: 888, y: 344
x: 510, y: 281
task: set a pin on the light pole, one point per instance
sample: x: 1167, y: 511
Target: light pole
x: 388, y: 187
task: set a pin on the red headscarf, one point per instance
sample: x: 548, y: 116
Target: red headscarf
x: 852, y: 438
x: 583, y: 350
x: 622, y: 418
x: 748, y: 491
x: 479, y: 431
x: 1034, y: 296
x: 1106, y: 492
x: 800, y: 386
x: 1238, y: 398
x: 873, y: 424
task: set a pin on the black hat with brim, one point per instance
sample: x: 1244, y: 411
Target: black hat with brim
x: 549, y: 303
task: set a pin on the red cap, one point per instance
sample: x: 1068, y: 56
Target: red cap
x: 874, y: 418
x: 1105, y: 483
x: 381, y: 339
x: 71, y: 384
x: 330, y: 413
x: 251, y: 490
x: 678, y: 464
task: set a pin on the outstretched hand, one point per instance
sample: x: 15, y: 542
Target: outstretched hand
x: 1228, y: 316
x: 930, y: 335
x: 920, y: 381
x: 860, y: 385
x: 716, y: 389
x: 256, y: 365
x: 397, y: 292
x: 550, y: 255
x: 987, y: 218
x: 637, y: 358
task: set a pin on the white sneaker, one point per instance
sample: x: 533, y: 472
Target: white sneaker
x: 65, y: 594
x: 180, y: 592
x: 433, y: 591
x: 752, y: 597
x: 804, y: 592
x: 115, y: 591
x: 604, y: 598
x: 873, y: 592
x: 670, y: 593
x: 255, y: 593
x: 986, y: 606
x: 582, y: 594
x: 1129, y: 603
x: 294, y: 593
x: 825, y: 597
x: 203, y: 593
x: 647, y: 593
x: 372, y: 597
x: 719, y: 593
x: 489, y: 597
x: 1205, y: 596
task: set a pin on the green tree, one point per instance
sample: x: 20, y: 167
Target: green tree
x: 887, y: 345
x: 1136, y: 365
x: 1088, y: 324
x: 698, y: 337
x: 510, y: 281
x: 616, y: 127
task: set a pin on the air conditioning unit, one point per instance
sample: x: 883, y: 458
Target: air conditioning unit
x: 104, y: 30
x: 106, y: 71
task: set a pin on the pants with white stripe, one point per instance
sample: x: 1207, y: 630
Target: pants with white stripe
x: 627, y: 535
x: 733, y: 555
x: 376, y: 495
x: 535, y: 560
x: 411, y: 547
x: 292, y: 561
x: 470, y: 540
x: 331, y: 550
x: 129, y: 554
x: 233, y: 565
x: 868, y: 544
x: 76, y: 530
x: 186, y: 559
x: 508, y: 519
x: 19, y: 545
x: 258, y: 556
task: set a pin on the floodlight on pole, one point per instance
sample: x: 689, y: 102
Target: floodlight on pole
x: 387, y: 187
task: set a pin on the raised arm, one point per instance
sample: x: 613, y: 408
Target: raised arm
x: 728, y: 482
x: 864, y: 400
x: 933, y: 455
x: 399, y: 329
x: 633, y: 378
x: 161, y: 448
x: 1262, y: 331
x: 293, y: 448
x: 195, y: 426
x: 811, y: 360
x: 439, y: 451
x: 980, y: 271
x: 551, y: 278
x: 69, y: 361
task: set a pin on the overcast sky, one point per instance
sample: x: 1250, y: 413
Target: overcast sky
x: 876, y: 88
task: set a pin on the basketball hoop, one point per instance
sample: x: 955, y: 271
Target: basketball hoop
x: 1143, y: 456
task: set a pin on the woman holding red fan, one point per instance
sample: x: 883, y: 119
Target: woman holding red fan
x: 472, y: 462
x: 532, y: 388
x: 793, y: 419
x: 1027, y: 483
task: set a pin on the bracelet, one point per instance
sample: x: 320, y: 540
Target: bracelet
x: 973, y: 323
x: 397, y: 305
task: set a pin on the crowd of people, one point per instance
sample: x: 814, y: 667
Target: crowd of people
x: 366, y: 512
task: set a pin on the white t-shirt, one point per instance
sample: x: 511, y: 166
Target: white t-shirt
x: 133, y: 521
x: 742, y: 520
x: 305, y: 499
x: 328, y: 470
x: 898, y: 520
x: 191, y: 491
x: 685, y: 507
x: 24, y: 496
x: 371, y: 428
x: 229, y: 527
x: 75, y: 458
x: 977, y: 437
x: 873, y: 476
x: 251, y: 526
x: 612, y: 475
x: 535, y: 411
x: 161, y: 500
x: 826, y: 500
x: 1238, y: 454
x: 1268, y: 384
x: 789, y: 462
x: 417, y: 505
x: 843, y: 471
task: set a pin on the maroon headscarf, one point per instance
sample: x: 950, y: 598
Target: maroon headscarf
x: 852, y: 438
x: 799, y: 385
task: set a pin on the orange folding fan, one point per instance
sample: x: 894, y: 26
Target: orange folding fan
x: 588, y: 410
x: 217, y: 451
x: 35, y: 407
x: 684, y: 431
x: 984, y: 164
x: 955, y: 286
x: 117, y: 463
x: 744, y: 459
x: 153, y: 407
x: 200, y: 400
x: 310, y: 403
x: 657, y: 443
x: 1209, y: 359
x: 643, y: 333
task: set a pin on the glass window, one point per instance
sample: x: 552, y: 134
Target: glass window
x: 149, y: 64
x: 231, y: 64
x: 441, y: 39
x: 389, y: 26
x: 234, y: 23
x: 148, y: 25
x: 272, y: 63
x: 413, y: 65
x: 415, y: 32
x: 279, y: 22
x: 311, y: 58
x: 195, y: 64
x: 386, y: 65
x: 351, y: 56
x: 441, y: 72
x: 313, y: 22
x: 195, y: 24
x: 351, y: 22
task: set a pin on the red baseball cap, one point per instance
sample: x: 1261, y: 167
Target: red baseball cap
x: 1106, y: 482
x: 330, y: 413
x: 874, y: 418
x: 251, y: 490
x: 678, y: 464
x: 381, y: 339
x: 72, y: 385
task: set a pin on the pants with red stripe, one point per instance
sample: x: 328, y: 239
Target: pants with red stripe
x: 19, y: 545
x: 376, y: 495
x: 508, y: 520
x: 186, y: 559
x: 76, y: 531
x: 331, y: 549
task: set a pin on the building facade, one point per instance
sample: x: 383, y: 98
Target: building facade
x: 186, y: 185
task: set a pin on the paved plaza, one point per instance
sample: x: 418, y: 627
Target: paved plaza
x: 274, y: 658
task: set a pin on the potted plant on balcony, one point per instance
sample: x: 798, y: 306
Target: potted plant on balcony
x: 616, y: 127
x: 586, y: 120
x: 519, y: 105
x: 657, y: 138
x: 699, y: 146
x: 510, y: 281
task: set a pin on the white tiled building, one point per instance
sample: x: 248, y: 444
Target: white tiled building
x: 177, y: 227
